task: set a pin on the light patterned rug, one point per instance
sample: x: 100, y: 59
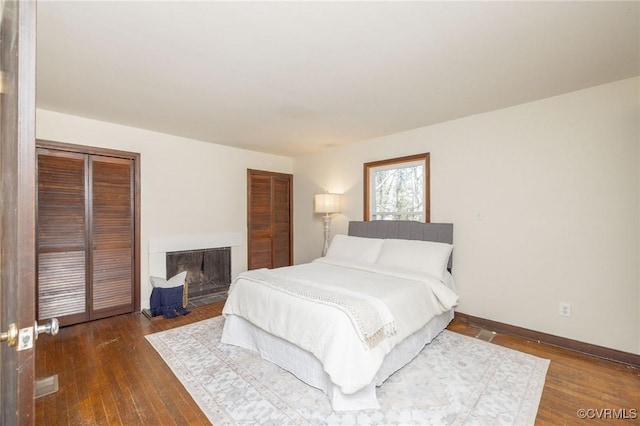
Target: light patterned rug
x: 455, y: 380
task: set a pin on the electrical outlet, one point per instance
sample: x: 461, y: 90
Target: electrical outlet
x: 565, y: 309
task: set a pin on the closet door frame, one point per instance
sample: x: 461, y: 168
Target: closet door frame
x: 262, y: 174
x: 135, y: 157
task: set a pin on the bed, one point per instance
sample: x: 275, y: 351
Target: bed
x: 345, y: 322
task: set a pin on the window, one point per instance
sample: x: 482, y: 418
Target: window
x: 397, y: 189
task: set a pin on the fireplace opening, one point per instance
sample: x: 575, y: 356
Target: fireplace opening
x: 208, y: 270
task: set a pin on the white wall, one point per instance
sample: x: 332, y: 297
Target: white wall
x: 188, y: 187
x: 557, y: 188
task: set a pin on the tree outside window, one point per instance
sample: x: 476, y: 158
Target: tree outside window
x: 398, y: 189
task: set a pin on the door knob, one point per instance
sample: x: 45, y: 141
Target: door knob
x: 11, y: 335
x: 51, y: 328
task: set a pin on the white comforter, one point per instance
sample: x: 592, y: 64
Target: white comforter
x: 328, y: 332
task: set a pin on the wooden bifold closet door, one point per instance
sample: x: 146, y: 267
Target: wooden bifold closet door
x: 85, y: 236
x: 269, y: 217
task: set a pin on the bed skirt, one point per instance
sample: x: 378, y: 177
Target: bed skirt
x: 306, y: 367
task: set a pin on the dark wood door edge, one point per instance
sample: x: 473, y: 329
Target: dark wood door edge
x: 550, y: 339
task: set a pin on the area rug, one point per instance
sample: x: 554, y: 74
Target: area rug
x: 455, y: 380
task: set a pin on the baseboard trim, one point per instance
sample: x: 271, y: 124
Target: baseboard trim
x: 562, y: 342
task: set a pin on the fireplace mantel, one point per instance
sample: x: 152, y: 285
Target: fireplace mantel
x: 194, y: 242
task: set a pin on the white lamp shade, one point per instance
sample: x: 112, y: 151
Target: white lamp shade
x: 328, y: 203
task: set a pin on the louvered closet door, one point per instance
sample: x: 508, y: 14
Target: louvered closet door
x: 112, y: 245
x: 269, y: 219
x: 281, y: 187
x: 85, y: 236
x: 260, y: 236
x: 62, y: 236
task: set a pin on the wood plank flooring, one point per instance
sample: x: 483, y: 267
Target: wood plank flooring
x: 109, y: 374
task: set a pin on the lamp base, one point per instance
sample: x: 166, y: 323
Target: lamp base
x: 327, y: 231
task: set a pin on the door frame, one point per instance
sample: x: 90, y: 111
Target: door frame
x: 106, y: 152
x: 251, y: 173
x: 17, y: 213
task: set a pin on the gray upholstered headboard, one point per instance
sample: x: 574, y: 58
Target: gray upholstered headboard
x: 404, y: 230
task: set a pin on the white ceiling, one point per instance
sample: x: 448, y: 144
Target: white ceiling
x: 291, y: 78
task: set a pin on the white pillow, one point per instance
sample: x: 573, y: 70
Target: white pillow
x: 357, y: 249
x: 420, y: 256
x: 175, y: 281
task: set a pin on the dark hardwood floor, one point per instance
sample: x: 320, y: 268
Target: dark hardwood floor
x: 109, y: 374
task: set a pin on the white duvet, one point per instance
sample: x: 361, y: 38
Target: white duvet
x: 327, y: 332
